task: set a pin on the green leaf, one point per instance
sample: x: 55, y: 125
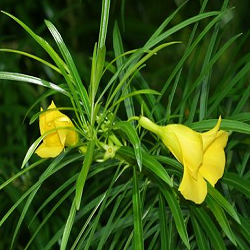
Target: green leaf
x: 174, y: 206
x: 237, y: 182
x: 200, y: 237
x: 163, y: 223
x: 130, y: 131
x: 71, y: 65
x: 221, y: 200
x: 137, y: 92
x: 209, y: 227
x: 148, y: 161
x: 33, y: 57
x: 137, y: 210
x: 104, y: 23
x: 31, y: 79
x: 245, y: 228
x: 120, y: 62
x: 221, y: 218
x: 235, y: 126
x: 84, y: 172
x: 68, y: 225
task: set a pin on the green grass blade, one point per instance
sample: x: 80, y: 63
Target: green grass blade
x: 209, y: 227
x: 187, y: 53
x: 237, y: 182
x: 137, y: 92
x: 44, y: 44
x: 245, y: 228
x: 242, y: 102
x: 68, y: 226
x: 221, y: 200
x: 228, y: 86
x: 138, y: 242
x: 51, y: 211
x: 204, y: 88
x: 163, y: 223
x: 176, y: 212
x: 14, y: 177
x: 131, y: 133
x: 148, y: 161
x: 33, y: 57
x: 182, y: 25
x: 118, y: 49
x: 226, y: 124
x: 221, y: 218
x: 31, y: 79
x: 135, y: 67
x: 84, y: 172
x: 54, y: 195
x: 104, y: 23
x: 200, y: 237
x: 72, y: 68
x: 158, y: 32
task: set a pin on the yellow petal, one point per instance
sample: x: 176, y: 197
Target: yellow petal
x: 53, y: 140
x: 222, y: 138
x: 62, y: 130
x: 48, y: 152
x: 209, y: 136
x: 190, y: 149
x: 42, y: 122
x: 214, y: 160
x: 191, y: 189
x: 170, y: 139
x: 72, y: 138
x: 52, y: 115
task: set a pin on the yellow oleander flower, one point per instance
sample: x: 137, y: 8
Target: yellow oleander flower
x: 54, y: 143
x: 202, y: 155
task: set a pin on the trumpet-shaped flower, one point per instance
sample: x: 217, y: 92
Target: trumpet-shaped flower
x: 61, y: 134
x: 201, y: 154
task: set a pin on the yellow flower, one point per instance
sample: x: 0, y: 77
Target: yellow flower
x: 202, y: 155
x: 54, y: 143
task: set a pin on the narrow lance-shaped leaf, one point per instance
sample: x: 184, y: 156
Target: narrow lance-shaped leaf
x: 221, y: 218
x: 71, y: 65
x: 148, y: 161
x: 237, y: 182
x: 84, y: 172
x: 118, y: 49
x: 209, y: 227
x: 138, y: 230
x: 134, y: 139
x: 176, y: 212
x: 31, y: 79
x: 68, y: 226
x: 221, y: 200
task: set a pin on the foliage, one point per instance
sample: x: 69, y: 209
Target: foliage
x: 89, y: 197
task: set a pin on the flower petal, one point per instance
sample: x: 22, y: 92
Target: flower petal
x: 191, y: 189
x: 214, y: 160
x: 209, y: 136
x: 190, y: 149
x: 171, y: 141
x: 72, y: 138
x: 52, y: 139
x: 54, y: 114
x: 48, y: 152
x: 62, y: 130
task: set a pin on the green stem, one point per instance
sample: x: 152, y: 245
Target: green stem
x: 149, y: 125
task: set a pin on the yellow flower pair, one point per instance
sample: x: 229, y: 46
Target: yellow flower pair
x: 62, y: 132
x: 202, y: 155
